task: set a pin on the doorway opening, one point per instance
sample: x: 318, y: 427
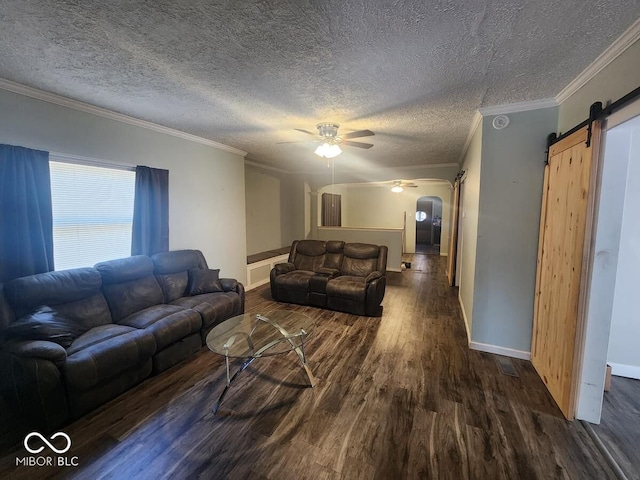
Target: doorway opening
x: 612, y: 323
x: 428, y: 220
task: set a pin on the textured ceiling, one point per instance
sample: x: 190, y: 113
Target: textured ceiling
x: 246, y: 73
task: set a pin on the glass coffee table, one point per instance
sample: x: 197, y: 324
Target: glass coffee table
x: 252, y: 336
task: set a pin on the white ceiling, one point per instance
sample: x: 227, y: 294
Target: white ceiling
x: 246, y: 73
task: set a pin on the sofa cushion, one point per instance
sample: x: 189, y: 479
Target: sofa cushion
x: 360, y: 259
x: 125, y: 269
x: 167, y: 323
x: 25, y: 294
x: 87, y: 313
x: 171, y: 270
x: 173, y: 285
x: 348, y: 287
x: 44, y: 324
x: 308, y: 254
x: 296, y: 280
x: 213, y: 307
x: 104, y: 352
x: 129, y: 285
x: 204, y: 281
x: 175, y: 261
x: 333, y: 258
x: 133, y: 296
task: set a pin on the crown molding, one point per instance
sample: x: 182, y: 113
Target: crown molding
x: 422, y: 167
x: 420, y: 182
x: 266, y: 167
x: 103, y: 112
x: 518, y: 107
x: 617, y: 48
x: 475, y: 123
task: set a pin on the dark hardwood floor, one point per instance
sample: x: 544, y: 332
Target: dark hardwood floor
x: 397, y: 397
x: 619, y: 428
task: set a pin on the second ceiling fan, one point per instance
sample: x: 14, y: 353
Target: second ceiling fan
x: 330, y: 141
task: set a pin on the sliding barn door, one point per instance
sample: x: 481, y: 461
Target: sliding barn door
x: 563, y: 259
x: 453, y: 235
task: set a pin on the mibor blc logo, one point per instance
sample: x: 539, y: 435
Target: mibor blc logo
x: 34, y: 448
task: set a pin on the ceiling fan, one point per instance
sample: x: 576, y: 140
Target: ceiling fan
x: 399, y: 185
x: 330, y: 141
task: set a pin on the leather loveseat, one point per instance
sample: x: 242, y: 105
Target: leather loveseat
x: 348, y: 277
x: 72, y: 340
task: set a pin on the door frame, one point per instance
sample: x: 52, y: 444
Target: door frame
x: 602, y: 279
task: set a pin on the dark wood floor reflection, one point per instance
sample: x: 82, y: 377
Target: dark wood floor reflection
x: 619, y: 428
x: 397, y: 397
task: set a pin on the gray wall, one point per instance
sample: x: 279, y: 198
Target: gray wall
x: 511, y: 183
x: 616, y: 80
x: 275, y: 208
x: 206, y: 184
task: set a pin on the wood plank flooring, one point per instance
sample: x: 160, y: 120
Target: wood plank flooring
x: 397, y: 397
x: 619, y: 428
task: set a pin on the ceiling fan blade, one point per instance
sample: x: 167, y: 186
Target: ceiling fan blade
x: 349, y: 143
x: 306, y: 131
x: 357, y: 134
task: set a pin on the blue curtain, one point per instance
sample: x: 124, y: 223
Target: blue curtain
x: 26, y: 223
x: 150, y: 212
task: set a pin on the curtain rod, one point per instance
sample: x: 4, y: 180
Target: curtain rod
x: 91, y: 162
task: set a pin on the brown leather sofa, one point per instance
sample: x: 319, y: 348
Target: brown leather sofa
x: 72, y: 340
x: 348, y: 277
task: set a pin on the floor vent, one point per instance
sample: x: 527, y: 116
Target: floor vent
x: 506, y: 366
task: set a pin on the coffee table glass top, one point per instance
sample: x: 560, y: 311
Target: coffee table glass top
x: 259, y: 335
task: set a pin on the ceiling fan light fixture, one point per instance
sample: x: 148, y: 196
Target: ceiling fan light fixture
x: 328, y: 150
x: 397, y: 189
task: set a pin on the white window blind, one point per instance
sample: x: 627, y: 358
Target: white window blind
x: 92, y: 213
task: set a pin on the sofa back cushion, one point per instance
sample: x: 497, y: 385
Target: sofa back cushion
x: 360, y: 259
x: 129, y: 285
x: 333, y: 258
x: 45, y: 324
x: 171, y: 270
x: 74, y: 293
x: 308, y: 254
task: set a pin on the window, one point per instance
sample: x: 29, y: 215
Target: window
x: 92, y: 213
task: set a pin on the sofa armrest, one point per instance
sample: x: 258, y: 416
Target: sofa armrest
x: 281, y: 268
x: 233, y: 285
x: 374, y: 295
x: 229, y: 284
x: 33, y: 386
x: 330, y: 272
x: 37, y: 349
x: 372, y: 276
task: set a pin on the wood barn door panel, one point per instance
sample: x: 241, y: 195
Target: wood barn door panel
x: 564, y: 238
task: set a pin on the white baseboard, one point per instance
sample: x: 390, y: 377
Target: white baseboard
x: 464, y: 319
x: 445, y: 254
x: 628, y: 371
x: 498, y: 350
x: 394, y: 270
